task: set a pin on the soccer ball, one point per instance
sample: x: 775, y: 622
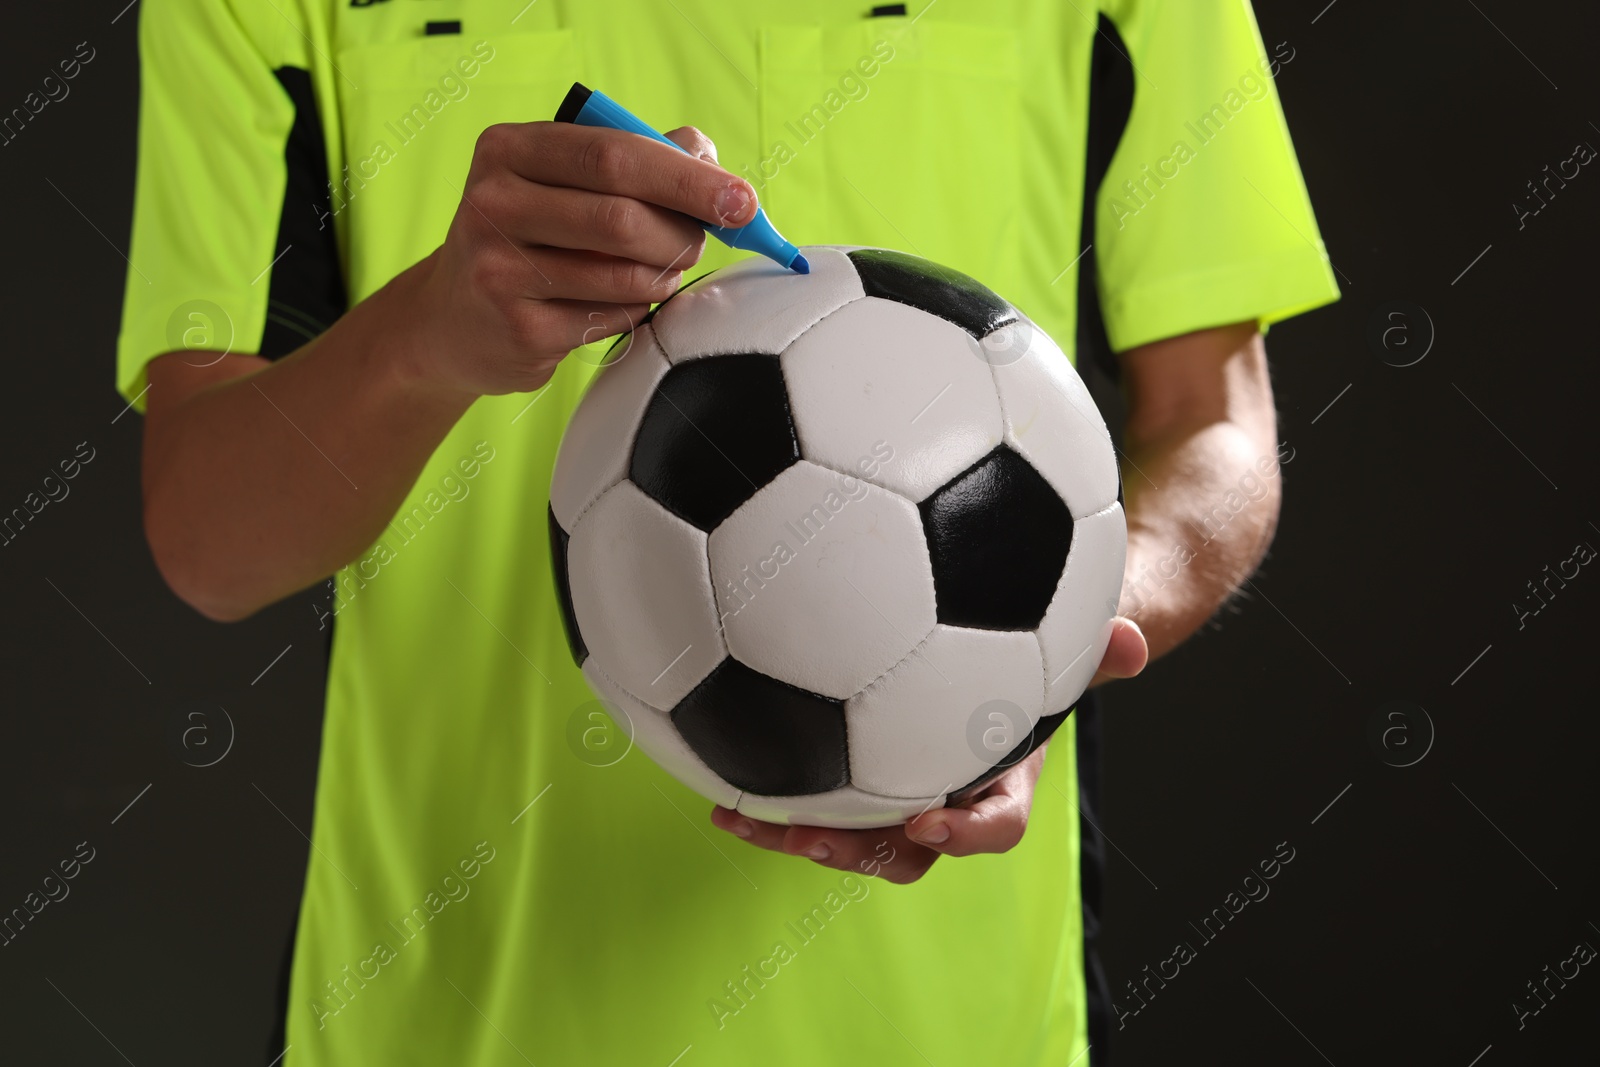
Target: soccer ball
x: 836, y: 549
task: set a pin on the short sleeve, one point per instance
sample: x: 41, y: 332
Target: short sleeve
x: 1203, y: 218
x: 209, y: 185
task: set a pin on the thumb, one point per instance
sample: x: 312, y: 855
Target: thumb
x: 1127, y: 653
x: 694, y: 142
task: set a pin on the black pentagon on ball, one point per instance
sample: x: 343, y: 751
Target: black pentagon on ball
x: 764, y: 736
x: 569, y: 617
x: 927, y: 286
x: 716, y: 430
x: 998, y: 536
x: 1047, y: 725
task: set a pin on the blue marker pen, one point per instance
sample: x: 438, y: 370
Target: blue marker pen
x: 586, y: 107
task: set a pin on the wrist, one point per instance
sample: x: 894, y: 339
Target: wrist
x: 405, y: 339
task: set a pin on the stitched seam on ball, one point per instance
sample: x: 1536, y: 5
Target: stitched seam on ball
x: 661, y: 342
x: 903, y: 800
x: 999, y: 397
x: 633, y: 431
x: 590, y: 506
x: 864, y: 480
x: 788, y: 419
x: 1005, y: 418
x: 716, y: 606
x: 794, y: 428
x: 599, y: 497
x: 1044, y: 656
x: 820, y: 319
x: 626, y: 691
x: 901, y: 662
x: 1044, y: 672
x: 826, y: 315
x: 729, y: 655
x: 1005, y: 427
x: 813, y: 324
x: 722, y: 637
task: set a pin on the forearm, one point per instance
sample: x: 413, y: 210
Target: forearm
x: 1202, y: 488
x: 274, y: 475
x: 1188, y: 549
x: 261, y: 479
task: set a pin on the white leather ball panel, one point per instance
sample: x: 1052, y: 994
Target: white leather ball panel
x: 880, y: 376
x: 823, y: 581
x: 1051, y: 419
x: 641, y: 590
x: 598, y: 442
x: 755, y: 306
x: 847, y: 808
x: 912, y: 732
x: 1077, y: 626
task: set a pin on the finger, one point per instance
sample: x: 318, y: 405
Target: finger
x: 557, y: 296
x: 694, y: 142
x: 594, y: 276
x: 760, y: 834
x: 568, y: 324
x: 617, y: 225
x: 507, y: 207
x: 1127, y: 653
x: 994, y: 822
x: 622, y: 164
x: 881, y: 853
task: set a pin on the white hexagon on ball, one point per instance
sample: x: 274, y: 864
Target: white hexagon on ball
x: 823, y: 581
x: 904, y: 743
x: 879, y: 373
x: 642, y: 595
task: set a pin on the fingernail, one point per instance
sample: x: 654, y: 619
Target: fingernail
x: 742, y: 828
x: 732, y: 201
x: 936, y: 834
x: 820, y: 853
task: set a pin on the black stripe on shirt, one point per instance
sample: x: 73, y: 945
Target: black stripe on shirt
x: 1111, y: 88
x: 306, y: 295
x: 307, y: 289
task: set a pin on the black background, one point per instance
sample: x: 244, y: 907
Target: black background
x: 1418, y: 507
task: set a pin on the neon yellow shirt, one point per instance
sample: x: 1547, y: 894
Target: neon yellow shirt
x: 479, y: 894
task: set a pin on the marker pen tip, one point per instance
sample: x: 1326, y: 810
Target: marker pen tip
x: 799, y: 264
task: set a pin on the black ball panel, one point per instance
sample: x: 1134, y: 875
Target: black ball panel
x: 716, y: 430
x: 926, y: 286
x: 763, y: 736
x: 998, y: 535
x: 569, y: 617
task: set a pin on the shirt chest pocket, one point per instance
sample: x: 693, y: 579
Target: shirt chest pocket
x: 410, y: 113
x: 891, y: 133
